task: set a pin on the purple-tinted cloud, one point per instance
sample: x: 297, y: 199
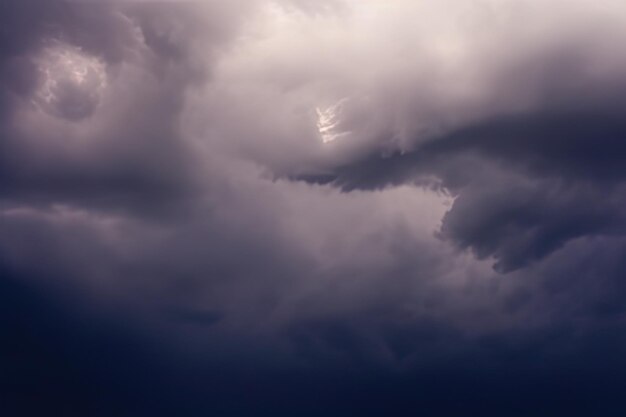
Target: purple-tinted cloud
x: 296, y: 208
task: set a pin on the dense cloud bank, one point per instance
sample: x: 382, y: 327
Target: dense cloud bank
x: 335, y: 207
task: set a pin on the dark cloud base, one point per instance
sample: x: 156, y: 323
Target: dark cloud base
x: 56, y: 362
x: 57, y: 365
x: 524, y: 185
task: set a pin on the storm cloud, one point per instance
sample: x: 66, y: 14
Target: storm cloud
x: 334, y: 207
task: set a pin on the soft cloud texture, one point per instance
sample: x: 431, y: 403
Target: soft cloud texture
x: 179, y: 236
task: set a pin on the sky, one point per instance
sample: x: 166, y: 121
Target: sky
x: 316, y: 208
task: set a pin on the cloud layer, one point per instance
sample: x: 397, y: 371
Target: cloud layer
x: 312, y: 207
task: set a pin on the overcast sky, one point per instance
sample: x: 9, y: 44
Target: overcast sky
x: 312, y: 208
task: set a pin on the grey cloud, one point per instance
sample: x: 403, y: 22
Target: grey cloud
x: 546, y: 115
x: 168, y: 148
x: 110, y: 79
x: 170, y: 181
x: 534, y: 182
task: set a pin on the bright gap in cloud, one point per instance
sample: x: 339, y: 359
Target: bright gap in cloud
x: 71, y: 83
x: 329, y: 121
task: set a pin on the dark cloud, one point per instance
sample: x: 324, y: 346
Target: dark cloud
x: 523, y: 186
x: 293, y: 208
x: 104, y: 81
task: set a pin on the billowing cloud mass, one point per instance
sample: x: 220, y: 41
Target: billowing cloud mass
x: 312, y: 207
